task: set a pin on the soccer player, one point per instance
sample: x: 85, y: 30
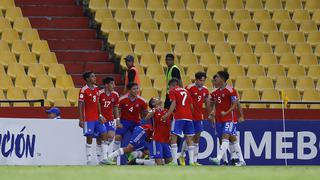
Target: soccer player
x: 109, y: 103
x: 181, y: 103
x: 140, y: 137
x: 225, y: 102
x: 132, y: 108
x: 89, y: 111
x: 160, y: 148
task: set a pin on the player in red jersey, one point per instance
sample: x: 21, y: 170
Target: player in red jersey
x: 225, y: 101
x: 160, y: 148
x: 132, y: 108
x: 109, y: 103
x: 182, y: 125
x: 89, y: 111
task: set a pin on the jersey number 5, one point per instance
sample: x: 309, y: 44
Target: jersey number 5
x: 184, y: 97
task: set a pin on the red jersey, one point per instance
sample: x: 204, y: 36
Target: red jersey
x: 223, y: 99
x: 161, y: 129
x: 198, y: 95
x: 107, y: 103
x: 90, y: 98
x: 131, y: 110
x: 148, y: 130
x: 183, y: 103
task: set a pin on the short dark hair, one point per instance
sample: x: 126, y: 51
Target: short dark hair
x: 200, y: 74
x: 170, y: 56
x: 131, y: 84
x: 86, y: 75
x: 107, y: 80
x: 214, y: 76
x: 150, y: 103
x: 173, y: 80
x: 224, y: 75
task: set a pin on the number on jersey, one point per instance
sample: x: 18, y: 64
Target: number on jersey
x: 184, y: 96
x: 131, y: 109
x: 106, y: 104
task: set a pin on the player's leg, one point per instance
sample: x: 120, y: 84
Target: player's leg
x: 198, y: 128
x: 225, y: 156
x: 120, y: 132
x: 176, y: 130
x: 184, y: 146
x: 147, y: 162
x: 101, y: 131
x: 237, y: 149
x: 110, y: 135
x: 88, y: 131
x: 99, y: 149
x: 188, y: 131
x: 157, y: 152
x: 166, y: 151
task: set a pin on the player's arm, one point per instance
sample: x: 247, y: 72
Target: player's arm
x: 208, y: 105
x: 150, y: 114
x: 233, y: 106
x: 241, y: 118
x: 80, y: 109
x: 170, y: 111
x: 101, y: 118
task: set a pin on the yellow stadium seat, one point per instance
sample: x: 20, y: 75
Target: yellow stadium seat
x: 148, y: 93
x: 162, y: 48
x: 102, y: 14
x: 202, y: 48
x: 6, y: 82
x: 23, y: 82
x: 175, y: 36
x: 161, y: 14
x: 1, y: 14
x: 313, y: 38
x: 188, y: 25
x: 44, y: 82
x: 136, y: 36
x: 40, y: 46
x: 2, y: 71
x: 300, y: 15
x: 48, y: 58
x: 208, y: 59
x: 314, y: 72
x: 295, y: 71
x: 193, y: 5
x: 128, y: 25
x: 142, y: 14
x: 30, y: 35
x: 35, y: 93
x: 243, y: 83
x: 195, y: 37
x: 221, y: 48
x: 19, y: 46
x: 227, y: 59
x: 250, y: 95
x: 15, y: 93
x: 61, y: 103
x: 181, y: 14
x: 154, y: 5
x: 255, y: 37
x: 253, y: 5
x: 276, y: 71
x: 213, y: 5
x: 188, y: 59
x: 295, y: 37
x: 284, y: 83
x: 221, y: 15
x: 208, y: 25
x: 94, y: 5
x: 287, y: 59
x: 154, y: 70
x: 182, y: 48
x: 148, y: 25
x: 282, y: 48
x: 248, y: 59
x: 168, y: 25
x: 267, y: 59
x: 15, y: 69
x: 213, y: 69
x: 294, y: 95
x: 35, y: 70
x: 4, y: 47
x: 175, y: 5
x: 276, y: 37
x: 288, y: 26
x: 192, y: 69
x: 242, y: 48
x: 311, y: 95
x: 255, y: 70
x: 159, y: 83
x: 200, y: 15
x: 268, y: 26
x: 72, y: 96
x: 122, y: 14
x: 4, y: 24
x: 235, y: 37
x: 241, y: 15
x: 20, y: 24
x: 280, y: 15
x: 308, y: 60
x: 235, y: 70
x: 56, y: 70
x: 247, y: 26
x: 116, y: 4
x: 136, y: 5
x: 317, y: 51
x: 272, y: 5
x: 308, y: 26
x: 142, y: 48
x: 147, y: 59
x: 13, y: 13
x: 312, y: 5
x: 263, y: 82
x: 261, y: 15
x: 304, y: 83
x: 228, y: 26
x: 233, y: 5
x: 293, y: 5
x: 302, y: 48
x: 7, y: 58
x: 108, y: 24
x: 64, y: 82
x: 215, y: 37
x: 115, y: 36
x: 271, y: 95
x: 122, y: 47
x: 9, y: 35
x: 316, y: 16
x: 55, y: 94
x: 156, y: 36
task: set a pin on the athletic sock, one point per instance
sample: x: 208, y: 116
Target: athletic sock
x: 191, y: 154
x: 196, y: 152
x: 89, y: 152
x: 174, y: 152
x: 99, y: 152
x: 223, y: 148
x: 116, y: 153
x: 238, y: 151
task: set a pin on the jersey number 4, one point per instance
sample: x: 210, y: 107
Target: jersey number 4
x: 131, y: 109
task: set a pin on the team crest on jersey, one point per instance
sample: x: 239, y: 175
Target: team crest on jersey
x: 137, y: 105
x: 195, y: 93
x: 90, y: 94
x: 222, y: 95
x: 204, y: 94
x: 112, y: 99
x: 103, y: 99
x: 126, y: 104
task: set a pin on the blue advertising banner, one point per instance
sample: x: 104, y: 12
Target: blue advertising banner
x: 264, y: 142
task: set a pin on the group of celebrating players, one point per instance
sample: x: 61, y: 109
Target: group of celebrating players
x: 107, y: 117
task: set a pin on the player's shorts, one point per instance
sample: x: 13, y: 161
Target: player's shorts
x: 110, y: 126
x: 198, y: 126
x: 160, y: 150
x: 226, y: 128
x: 182, y: 127
x: 138, y: 139
x: 126, y: 126
x: 93, y: 128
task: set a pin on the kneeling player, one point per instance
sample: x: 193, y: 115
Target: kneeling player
x: 140, y: 136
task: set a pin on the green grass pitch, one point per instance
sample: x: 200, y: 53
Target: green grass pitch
x: 158, y: 173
